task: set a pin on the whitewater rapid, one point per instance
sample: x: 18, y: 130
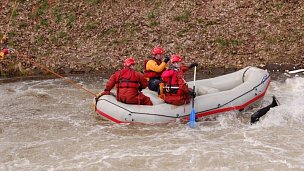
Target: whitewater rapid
x: 50, y: 125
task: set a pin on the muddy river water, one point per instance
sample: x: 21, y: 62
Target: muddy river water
x: 47, y: 124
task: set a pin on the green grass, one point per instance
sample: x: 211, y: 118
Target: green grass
x: 271, y: 18
x: 70, y: 20
x: 183, y: 17
x: 24, y: 72
x: 115, y: 41
x: 23, y: 25
x: 11, y: 34
x: 107, y: 32
x: 271, y: 40
x: 182, y: 32
x: 88, y: 14
x: 278, y: 5
x: 157, y: 4
x: 201, y: 21
x: 153, y: 19
x: 154, y: 23
x: 90, y: 26
x: 302, y: 35
x: 44, y: 22
x: 139, y: 68
x: 223, y: 43
x: 178, y: 48
x: 55, y: 40
x: 42, y: 8
x: 58, y: 16
x: 62, y: 34
x: 37, y: 27
x: 14, y: 14
x: 95, y: 2
x: 292, y: 38
x: 40, y: 40
x: 131, y: 28
x: 212, y: 22
x: 151, y: 16
x: 39, y: 12
x: 235, y: 42
x: 60, y: 38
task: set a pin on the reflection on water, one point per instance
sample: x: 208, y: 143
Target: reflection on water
x: 49, y: 125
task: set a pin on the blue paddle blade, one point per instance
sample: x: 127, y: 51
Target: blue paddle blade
x: 192, y: 118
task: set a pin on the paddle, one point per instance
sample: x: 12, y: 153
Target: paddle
x: 261, y: 112
x: 192, y: 114
x: 295, y: 71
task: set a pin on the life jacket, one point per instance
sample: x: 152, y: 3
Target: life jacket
x: 127, y: 79
x: 3, y: 52
x: 2, y: 55
x: 172, y: 83
x: 151, y: 74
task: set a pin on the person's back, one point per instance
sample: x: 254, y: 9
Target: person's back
x: 128, y: 83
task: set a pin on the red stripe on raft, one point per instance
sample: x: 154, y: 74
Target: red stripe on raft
x: 108, y: 117
x: 121, y: 122
x: 230, y: 108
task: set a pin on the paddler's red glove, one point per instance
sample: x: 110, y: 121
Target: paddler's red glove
x: 103, y: 93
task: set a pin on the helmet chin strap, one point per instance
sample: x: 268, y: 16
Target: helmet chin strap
x: 156, y: 58
x: 173, y: 66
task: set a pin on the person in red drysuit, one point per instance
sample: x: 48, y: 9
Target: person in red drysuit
x: 176, y: 90
x: 129, y: 84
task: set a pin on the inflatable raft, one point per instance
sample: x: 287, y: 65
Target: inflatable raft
x: 231, y: 92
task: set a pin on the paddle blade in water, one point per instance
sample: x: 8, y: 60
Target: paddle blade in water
x: 192, y: 118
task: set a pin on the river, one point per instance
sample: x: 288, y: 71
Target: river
x: 47, y: 124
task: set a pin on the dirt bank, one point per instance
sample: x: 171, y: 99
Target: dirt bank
x: 94, y: 36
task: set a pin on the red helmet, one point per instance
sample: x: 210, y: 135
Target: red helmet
x: 5, y: 51
x: 176, y: 58
x: 157, y: 51
x: 129, y: 61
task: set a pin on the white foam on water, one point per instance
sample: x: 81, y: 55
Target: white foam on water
x: 291, y: 108
x: 48, y: 125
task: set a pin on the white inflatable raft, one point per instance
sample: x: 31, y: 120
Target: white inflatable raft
x: 234, y: 91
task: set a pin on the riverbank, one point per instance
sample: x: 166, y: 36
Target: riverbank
x: 88, y: 37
